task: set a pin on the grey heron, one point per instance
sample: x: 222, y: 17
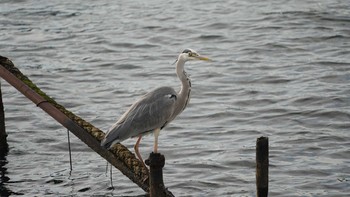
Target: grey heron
x: 153, y: 111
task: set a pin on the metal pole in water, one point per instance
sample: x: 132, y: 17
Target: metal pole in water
x: 3, y: 135
x: 262, y: 167
x: 156, y: 163
x: 70, y: 153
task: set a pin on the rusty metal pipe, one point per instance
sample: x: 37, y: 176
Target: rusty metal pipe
x: 59, y: 116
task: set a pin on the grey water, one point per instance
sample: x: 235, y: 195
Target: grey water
x: 281, y: 70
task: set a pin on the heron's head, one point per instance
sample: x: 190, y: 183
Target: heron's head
x: 189, y: 54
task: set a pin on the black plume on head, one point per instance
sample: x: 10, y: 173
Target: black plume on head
x: 186, y: 51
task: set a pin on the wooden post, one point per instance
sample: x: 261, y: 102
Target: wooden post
x: 262, y: 166
x: 3, y: 141
x: 156, y: 163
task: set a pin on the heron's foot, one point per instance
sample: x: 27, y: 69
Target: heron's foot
x: 143, y: 163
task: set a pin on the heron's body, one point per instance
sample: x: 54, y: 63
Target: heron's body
x: 154, y: 110
x: 144, y: 116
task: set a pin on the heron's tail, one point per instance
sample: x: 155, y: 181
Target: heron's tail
x: 111, y: 137
x: 105, y: 143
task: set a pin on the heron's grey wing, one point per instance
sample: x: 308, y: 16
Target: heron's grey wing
x: 152, y: 111
x: 150, y: 116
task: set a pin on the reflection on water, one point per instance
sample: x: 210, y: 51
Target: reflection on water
x: 4, y: 191
x: 281, y: 70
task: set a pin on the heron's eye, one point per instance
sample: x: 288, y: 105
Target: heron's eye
x: 190, y: 54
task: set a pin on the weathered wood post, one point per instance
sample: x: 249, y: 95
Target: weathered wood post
x: 156, y: 163
x: 262, y: 167
x: 3, y: 141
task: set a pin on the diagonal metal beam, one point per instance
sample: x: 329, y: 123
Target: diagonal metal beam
x: 119, y: 156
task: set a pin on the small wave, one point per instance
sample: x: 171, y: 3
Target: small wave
x: 271, y: 80
x: 331, y: 63
x: 211, y: 37
x: 127, y: 66
x: 218, y: 26
x: 132, y: 45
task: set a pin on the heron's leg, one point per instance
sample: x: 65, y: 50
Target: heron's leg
x: 136, y: 148
x: 156, y: 134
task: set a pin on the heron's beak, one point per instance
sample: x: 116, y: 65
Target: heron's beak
x: 203, y: 58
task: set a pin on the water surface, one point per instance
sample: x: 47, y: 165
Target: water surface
x: 281, y: 70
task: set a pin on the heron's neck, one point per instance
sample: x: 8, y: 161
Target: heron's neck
x: 185, y: 91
